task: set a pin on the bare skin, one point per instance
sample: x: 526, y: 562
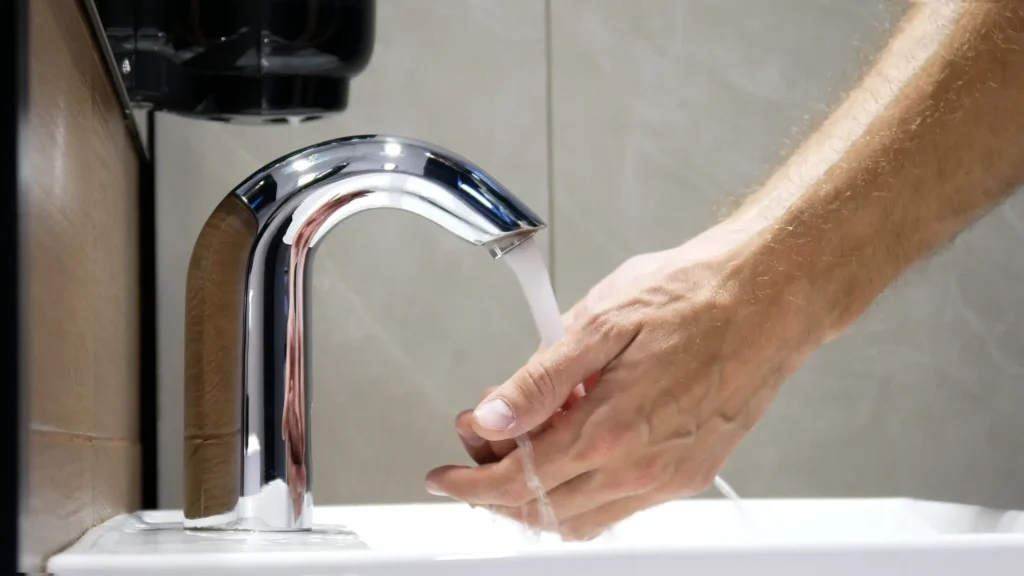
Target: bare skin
x: 691, y: 344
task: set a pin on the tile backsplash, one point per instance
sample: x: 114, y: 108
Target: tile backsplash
x: 629, y: 126
x: 82, y: 304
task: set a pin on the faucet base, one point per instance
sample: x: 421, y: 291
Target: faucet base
x: 216, y: 522
x: 268, y: 511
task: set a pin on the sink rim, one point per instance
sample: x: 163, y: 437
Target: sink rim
x: 83, y: 555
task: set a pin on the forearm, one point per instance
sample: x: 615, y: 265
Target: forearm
x: 932, y: 139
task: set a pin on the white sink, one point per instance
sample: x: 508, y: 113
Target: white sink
x: 791, y: 537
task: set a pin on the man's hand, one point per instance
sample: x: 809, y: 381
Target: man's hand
x: 691, y: 344
x: 687, y: 363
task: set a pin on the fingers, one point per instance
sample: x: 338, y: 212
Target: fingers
x: 591, y: 382
x: 592, y: 521
x: 541, y: 387
x: 504, y: 482
x: 484, y: 451
x: 477, y: 448
x: 578, y: 495
x: 591, y: 524
x: 480, y: 450
x: 593, y: 516
x: 619, y: 479
x: 573, y: 316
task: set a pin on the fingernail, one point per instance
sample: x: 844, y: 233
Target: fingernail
x: 472, y: 438
x: 433, y: 489
x: 495, y: 414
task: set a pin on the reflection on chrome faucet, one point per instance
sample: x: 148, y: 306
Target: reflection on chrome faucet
x: 247, y: 353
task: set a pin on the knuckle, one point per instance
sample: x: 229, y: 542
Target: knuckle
x: 606, y: 440
x: 509, y: 487
x: 694, y: 483
x: 511, y: 495
x: 539, y: 384
x: 516, y: 513
x: 580, y: 533
x: 601, y: 324
x: 645, y: 475
x: 704, y: 480
x: 507, y: 496
x: 530, y: 514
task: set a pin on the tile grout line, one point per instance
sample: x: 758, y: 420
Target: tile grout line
x: 549, y: 135
x: 80, y: 437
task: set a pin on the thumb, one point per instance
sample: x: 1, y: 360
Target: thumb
x: 538, y: 389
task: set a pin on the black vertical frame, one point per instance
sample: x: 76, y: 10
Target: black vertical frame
x: 14, y: 396
x: 147, y: 316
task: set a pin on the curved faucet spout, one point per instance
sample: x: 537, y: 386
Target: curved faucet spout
x: 247, y: 353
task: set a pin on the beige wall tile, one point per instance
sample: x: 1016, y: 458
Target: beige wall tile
x: 411, y: 324
x: 664, y: 113
x: 61, y: 231
x: 82, y: 238
x: 116, y: 472
x: 60, y: 509
x: 76, y: 482
x: 82, y: 308
x: 113, y: 195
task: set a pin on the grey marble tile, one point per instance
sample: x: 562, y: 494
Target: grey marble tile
x: 667, y: 112
x: 411, y: 324
x: 922, y: 397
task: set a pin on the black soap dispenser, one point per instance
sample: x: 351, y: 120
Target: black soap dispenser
x: 255, y: 61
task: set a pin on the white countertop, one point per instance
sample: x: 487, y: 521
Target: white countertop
x: 878, y: 537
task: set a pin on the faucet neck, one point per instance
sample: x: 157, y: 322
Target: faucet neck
x: 248, y: 333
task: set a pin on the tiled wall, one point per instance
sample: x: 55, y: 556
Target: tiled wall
x: 630, y: 126
x: 82, y: 302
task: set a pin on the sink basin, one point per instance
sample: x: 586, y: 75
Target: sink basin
x: 880, y: 537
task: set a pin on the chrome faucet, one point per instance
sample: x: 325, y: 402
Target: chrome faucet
x: 247, y: 342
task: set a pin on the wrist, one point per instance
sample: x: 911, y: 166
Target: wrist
x: 819, y: 266
x: 779, y: 275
